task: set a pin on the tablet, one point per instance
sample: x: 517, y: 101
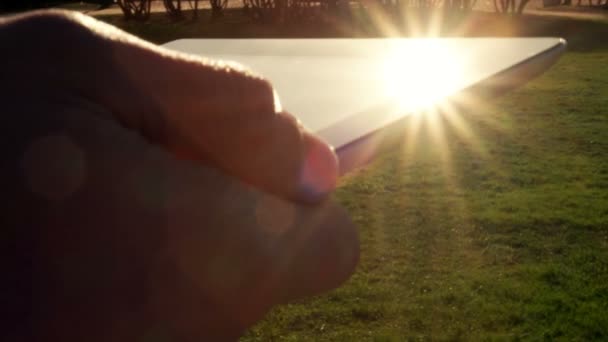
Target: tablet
x: 352, y: 92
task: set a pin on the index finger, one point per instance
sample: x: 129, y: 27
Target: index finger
x: 217, y: 114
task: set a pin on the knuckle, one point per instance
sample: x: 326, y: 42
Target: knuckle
x: 56, y: 33
x: 48, y: 23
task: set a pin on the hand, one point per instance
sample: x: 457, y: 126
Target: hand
x: 154, y: 195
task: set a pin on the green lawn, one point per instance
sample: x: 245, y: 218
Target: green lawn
x: 491, y: 224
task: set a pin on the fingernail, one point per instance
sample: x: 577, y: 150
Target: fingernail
x: 319, y: 173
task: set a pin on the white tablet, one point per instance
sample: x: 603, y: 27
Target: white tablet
x: 350, y: 91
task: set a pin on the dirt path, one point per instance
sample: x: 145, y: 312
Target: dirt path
x: 157, y: 6
x: 572, y: 14
x: 535, y: 7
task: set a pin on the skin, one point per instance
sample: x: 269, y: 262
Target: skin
x: 153, y: 196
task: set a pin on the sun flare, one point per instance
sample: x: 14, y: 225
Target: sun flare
x: 423, y: 74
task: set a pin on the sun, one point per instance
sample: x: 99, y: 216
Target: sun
x: 421, y: 73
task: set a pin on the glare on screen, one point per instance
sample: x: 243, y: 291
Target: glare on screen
x: 422, y: 75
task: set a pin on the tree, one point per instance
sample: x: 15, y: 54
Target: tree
x: 135, y: 9
x: 510, y: 6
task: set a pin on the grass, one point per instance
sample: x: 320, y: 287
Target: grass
x: 498, y: 231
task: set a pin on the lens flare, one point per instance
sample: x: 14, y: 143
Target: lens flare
x: 432, y: 70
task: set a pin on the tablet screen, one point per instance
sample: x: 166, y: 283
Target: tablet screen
x: 324, y: 81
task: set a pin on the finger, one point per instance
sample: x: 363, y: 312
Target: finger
x: 218, y: 114
x: 149, y: 237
